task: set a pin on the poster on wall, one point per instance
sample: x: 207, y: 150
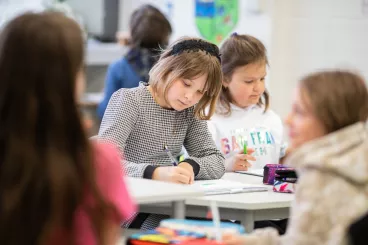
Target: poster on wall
x: 216, y: 19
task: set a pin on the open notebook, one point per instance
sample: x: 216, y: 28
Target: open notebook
x: 219, y: 187
x: 255, y: 172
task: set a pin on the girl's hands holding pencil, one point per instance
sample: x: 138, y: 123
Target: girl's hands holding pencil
x: 240, y: 161
x: 177, y: 174
x: 188, y: 167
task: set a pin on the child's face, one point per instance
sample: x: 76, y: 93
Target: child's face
x: 184, y: 93
x: 247, y: 84
x: 303, y: 125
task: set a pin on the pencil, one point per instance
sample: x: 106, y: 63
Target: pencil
x: 245, y: 150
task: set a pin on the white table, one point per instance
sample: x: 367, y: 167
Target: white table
x: 246, y: 207
x: 146, y: 191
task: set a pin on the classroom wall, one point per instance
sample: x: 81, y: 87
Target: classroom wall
x: 10, y: 8
x: 309, y: 35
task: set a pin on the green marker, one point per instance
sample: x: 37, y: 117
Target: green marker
x: 245, y: 151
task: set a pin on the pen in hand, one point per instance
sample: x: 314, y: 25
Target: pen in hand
x: 245, y: 150
x: 174, y: 162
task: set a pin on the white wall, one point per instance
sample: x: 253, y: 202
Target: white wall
x: 309, y: 35
x: 11, y: 8
x: 91, y: 12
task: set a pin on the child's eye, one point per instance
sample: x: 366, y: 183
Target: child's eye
x: 186, y: 84
x: 248, y: 81
x: 200, y: 92
x: 298, y: 110
x: 263, y: 79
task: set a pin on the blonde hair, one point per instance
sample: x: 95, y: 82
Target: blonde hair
x: 237, y: 51
x: 189, y: 64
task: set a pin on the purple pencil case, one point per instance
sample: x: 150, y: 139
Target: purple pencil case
x: 269, y: 173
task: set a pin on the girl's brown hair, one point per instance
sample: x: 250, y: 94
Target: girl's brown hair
x: 46, y: 164
x: 188, y: 65
x: 337, y: 98
x: 149, y: 28
x: 237, y: 51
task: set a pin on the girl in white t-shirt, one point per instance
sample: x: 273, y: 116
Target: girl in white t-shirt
x: 243, y: 115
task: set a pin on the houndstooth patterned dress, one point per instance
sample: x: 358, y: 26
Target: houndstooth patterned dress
x: 140, y: 128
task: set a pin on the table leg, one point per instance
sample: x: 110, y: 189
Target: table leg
x: 178, y: 210
x: 247, y: 220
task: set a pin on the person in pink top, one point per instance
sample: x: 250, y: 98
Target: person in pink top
x: 55, y: 186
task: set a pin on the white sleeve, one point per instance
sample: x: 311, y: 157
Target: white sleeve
x: 229, y: 161
x: 203, y: 151
x: 212, y: 128
x: 278, y: 133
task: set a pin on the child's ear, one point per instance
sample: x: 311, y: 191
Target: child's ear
x: 225, y: 83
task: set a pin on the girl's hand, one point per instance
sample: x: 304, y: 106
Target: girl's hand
x: 188, y: 167
x: 177, y: 174
x: 241, y: 160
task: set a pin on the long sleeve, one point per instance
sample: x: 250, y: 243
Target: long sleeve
x: 111, y: 182
x: 112, y: 84
x: 277, y: 129
x: 120, y: 117
x: 212, y: 129
x: 202, y: 150
x: 229, y: 160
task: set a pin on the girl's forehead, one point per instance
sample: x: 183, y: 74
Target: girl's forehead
x: 257, y: 69
x: 302, y: 99
x: 196, y: 77
x: 199, y: 81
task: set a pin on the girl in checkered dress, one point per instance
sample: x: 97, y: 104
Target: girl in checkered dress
x: 169, y: 112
